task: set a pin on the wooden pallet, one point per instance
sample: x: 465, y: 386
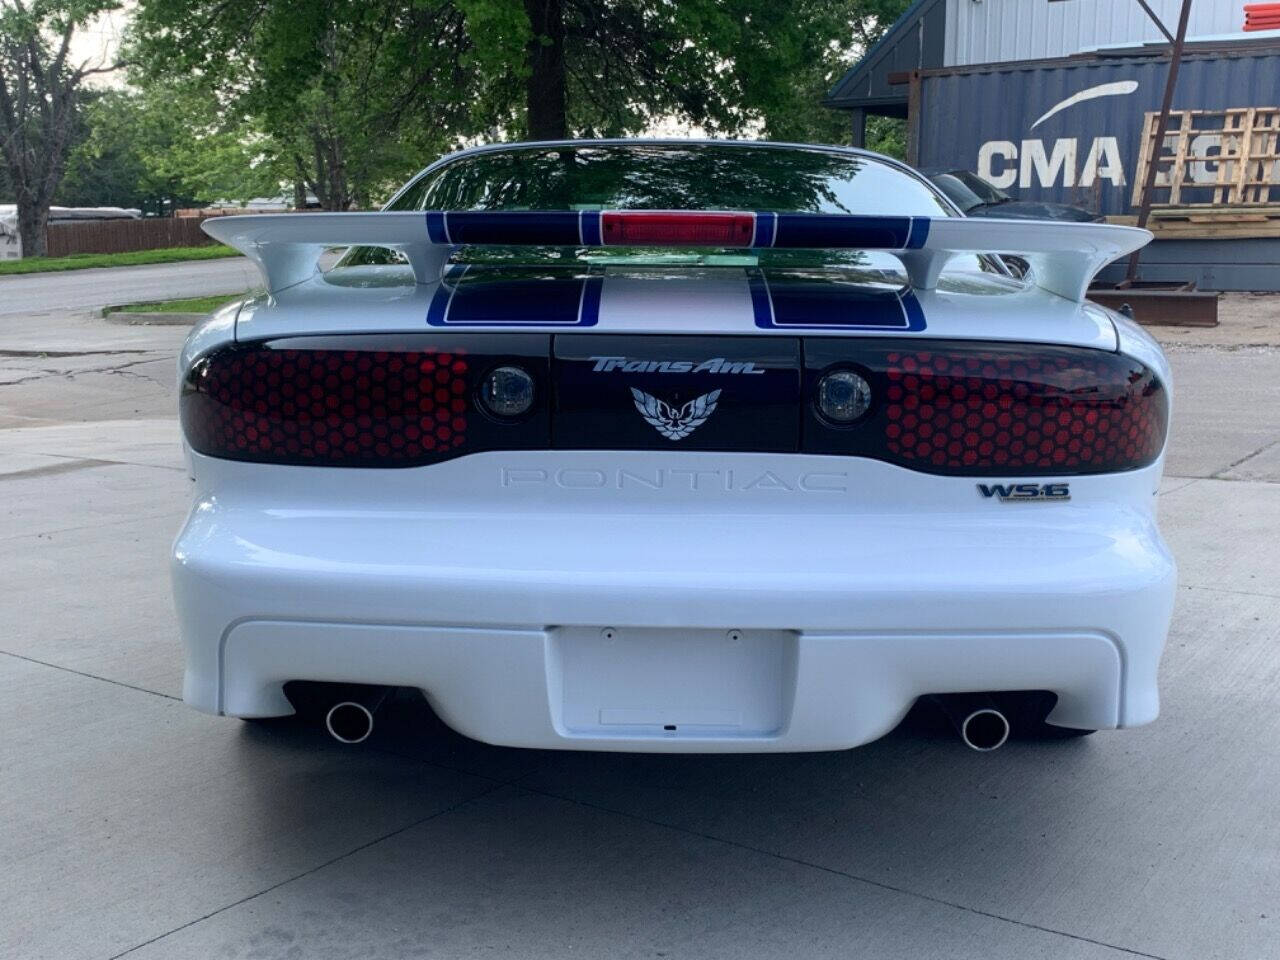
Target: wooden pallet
x: 1211, y: 223
x: 1212, y: 157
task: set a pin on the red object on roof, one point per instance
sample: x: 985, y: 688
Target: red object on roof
x: 1262, y: 16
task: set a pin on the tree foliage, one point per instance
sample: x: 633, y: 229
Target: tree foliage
x: 40, y: 93
x: 728, y: 66
x: 344, y: 92
x: 351, y: 96
x: 164, y: 147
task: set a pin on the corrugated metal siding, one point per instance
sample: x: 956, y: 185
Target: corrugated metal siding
x: 998, y: 31
x: 965, y: 110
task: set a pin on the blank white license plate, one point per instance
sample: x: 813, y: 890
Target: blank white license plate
x: 658, y: 682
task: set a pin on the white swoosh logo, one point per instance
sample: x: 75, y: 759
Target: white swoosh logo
x: 1116, y: 89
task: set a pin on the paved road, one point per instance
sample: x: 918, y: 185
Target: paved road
x: 40, y: 293
x: 133, y: 826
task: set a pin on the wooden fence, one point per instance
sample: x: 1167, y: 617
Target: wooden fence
x: 123, y: 236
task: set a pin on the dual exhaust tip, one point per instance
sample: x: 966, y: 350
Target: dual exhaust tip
x: 980, y: 724
x: 349, y: 722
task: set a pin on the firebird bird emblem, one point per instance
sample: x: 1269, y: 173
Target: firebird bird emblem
x: 672, y: 423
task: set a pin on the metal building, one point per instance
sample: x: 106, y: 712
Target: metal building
x: 1055, y: 100
x: 997, y: 31
x: 939, y: 34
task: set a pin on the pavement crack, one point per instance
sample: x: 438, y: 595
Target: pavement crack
x: 518, y: 781
x: 90, y: 676
x: 42, y: 354
x: 880, y: 884
x: 1228, y: 590
x: 68, y: 466
x: 115, y: 368
x: 1249, y: 456
x: 306, y: 873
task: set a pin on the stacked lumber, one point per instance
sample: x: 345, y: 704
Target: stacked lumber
x: 1211, y: 223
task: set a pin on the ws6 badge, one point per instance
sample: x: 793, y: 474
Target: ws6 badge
x: 1026, y: 492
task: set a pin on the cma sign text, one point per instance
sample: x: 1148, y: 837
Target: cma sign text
x: 1067, y: 163
x: 1002, y: 163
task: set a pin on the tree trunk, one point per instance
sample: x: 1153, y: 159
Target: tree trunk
x: 545, y: 88
x: 32, y: 221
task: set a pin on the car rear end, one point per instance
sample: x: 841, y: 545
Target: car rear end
x: 681, y: 491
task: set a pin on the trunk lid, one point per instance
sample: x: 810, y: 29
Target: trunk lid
x: 676, y: 299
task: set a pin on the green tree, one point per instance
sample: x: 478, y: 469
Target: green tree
x: 345, y: 92
x: 352, y: 96
x: 163, y: 147
x: 557, y: 68
x: 41, y: 89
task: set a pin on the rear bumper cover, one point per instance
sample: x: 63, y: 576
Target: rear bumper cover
x: 499, y: 613
x: 834, y: 690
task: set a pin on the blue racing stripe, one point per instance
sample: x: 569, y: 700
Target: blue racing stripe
x: 915, y: 313
x: 439, y: 308
x: 919, y: 233
x: 590, y: 225
x: 813, y: 303
x: 550, y: 227
x: 766, y: 229
x: 761, y: 305
x: 589, y: 308
x: 815, y: 230
x: 505, y: 297
x: 585, y: 227
x: 435, y: 227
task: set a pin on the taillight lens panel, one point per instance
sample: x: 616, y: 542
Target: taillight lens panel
x: 992, y: 409
x: 360, y: 401
x: 958, y: 408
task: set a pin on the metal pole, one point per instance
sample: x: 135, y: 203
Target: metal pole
x: 1156, y: 20
x: 858, y: 126
x: 1162, y: 125
x: 913, y: 119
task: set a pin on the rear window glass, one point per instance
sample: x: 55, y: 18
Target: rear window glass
x: 662, y: 177
x: 695, y: 176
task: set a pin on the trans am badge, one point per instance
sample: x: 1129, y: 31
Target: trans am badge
x: 672, y: 423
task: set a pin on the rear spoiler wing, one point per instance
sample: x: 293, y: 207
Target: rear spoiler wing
x: 1064, y: 257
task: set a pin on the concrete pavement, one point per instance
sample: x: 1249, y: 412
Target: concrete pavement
x: 136, y: 827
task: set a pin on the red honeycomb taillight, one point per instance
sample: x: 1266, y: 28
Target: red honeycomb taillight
x: 1051, y: 413
x: 985, y: 409
x: 286, y: 402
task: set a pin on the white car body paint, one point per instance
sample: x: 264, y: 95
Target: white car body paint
x: 671, y: 600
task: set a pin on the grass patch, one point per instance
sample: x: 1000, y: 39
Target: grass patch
x: 83, y: 261
x: 191, y: 305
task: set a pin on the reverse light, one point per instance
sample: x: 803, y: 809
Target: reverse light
x: 843, y: 396
x: 507, y: 392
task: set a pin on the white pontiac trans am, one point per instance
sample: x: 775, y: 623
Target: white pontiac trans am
x: 675, y: 446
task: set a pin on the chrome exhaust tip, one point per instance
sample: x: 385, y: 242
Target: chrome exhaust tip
x: 981, y: 725
x: 985, y: 730
x: 349, y: 722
